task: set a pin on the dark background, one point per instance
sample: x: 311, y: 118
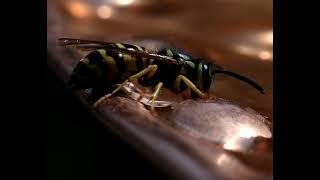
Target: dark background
x: 80, y: 147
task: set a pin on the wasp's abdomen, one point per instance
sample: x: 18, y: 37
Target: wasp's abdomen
x: 116, y: 66
x: 132, y: 63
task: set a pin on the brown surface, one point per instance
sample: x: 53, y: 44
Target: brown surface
x: 185, y: 151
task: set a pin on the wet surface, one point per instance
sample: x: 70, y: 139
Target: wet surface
x: 221, y: 122
x: 249, y: 158
x: 230, y: 138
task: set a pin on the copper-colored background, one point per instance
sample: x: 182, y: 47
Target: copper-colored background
x: 235, y: 33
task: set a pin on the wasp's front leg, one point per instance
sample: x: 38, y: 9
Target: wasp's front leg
x: 190, y: 85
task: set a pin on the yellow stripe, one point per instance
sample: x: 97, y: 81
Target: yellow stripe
x: 169, y: 53
x: 113, y: 68
x: 191, y: 64
x: 103, y: 53
x: 130, y: 62
x: 120, y: 45
x: 110, y: 60
x: 140, y: 48
x: 107, y: 59
x: 85, y: 61
x: 111, y: 63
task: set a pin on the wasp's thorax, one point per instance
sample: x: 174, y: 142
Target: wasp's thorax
x: 175, y: 53
x: 196, y: 69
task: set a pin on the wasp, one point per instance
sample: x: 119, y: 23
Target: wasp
x: 110, y: 63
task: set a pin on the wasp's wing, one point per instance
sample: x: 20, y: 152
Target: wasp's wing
x: 88, y: 45
x: 145, y: 55
x: 71, y: 41
x: 83, y: 45
x: 158, y: 57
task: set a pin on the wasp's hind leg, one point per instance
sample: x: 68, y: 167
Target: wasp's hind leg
x: 189, y: 84
x: 150, y: 70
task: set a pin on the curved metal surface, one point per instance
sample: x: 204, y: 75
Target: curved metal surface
x: 191, y: 139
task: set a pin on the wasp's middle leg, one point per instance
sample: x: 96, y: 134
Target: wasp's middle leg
x: 150, y: 70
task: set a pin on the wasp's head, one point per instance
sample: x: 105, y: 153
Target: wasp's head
x: 206, y: 73
x: 85, y: 75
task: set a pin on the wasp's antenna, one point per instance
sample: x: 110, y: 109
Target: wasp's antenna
x: 242, y: 78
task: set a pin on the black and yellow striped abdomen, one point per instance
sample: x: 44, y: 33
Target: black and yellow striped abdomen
x: 103, y: 67
x: 118, y: 66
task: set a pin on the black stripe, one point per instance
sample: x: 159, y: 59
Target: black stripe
x: 95, y: 57
x: 147, y: 61
x: 183, y: 86
x: 139, y: 63
x: 176, y: 56
x: 206, y: 79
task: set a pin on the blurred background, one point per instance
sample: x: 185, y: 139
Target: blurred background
x: 236, y: 34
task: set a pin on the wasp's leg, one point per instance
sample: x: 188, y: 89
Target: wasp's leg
x: 189, y: 84
x: 155, y: 94
x: 150, y: 70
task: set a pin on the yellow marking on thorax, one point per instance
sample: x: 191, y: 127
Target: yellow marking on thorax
x: 191, y: 64
x: 169, y: 53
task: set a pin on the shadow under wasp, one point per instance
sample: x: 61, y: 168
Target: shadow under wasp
x: 109, y: 64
